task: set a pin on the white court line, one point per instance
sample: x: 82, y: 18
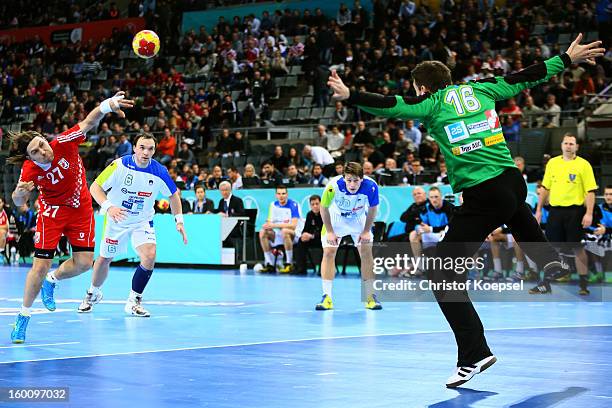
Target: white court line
x: 74, y: 321
x: 47, y: 322
x: 148, y: 302
x: 39, y: 345
x: 326, y: 374
x: 260, y: 343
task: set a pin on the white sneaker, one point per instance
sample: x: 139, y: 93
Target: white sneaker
x: 134, y: 308
x: 90, y: 299
x: 465, y: 374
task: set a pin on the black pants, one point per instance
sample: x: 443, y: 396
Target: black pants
x: 486, y: 206
x: 299, y: 253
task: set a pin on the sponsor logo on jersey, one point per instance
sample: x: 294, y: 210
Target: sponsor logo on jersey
x: 126, y: 191
x: 456, y: 132
x: 466, y: 148
x: 572, y: 177
x: 495, y: 139
x: 478, y: 127
x: 128, y: 180
x: 64, y: 164
x: 40, y: 178
x: 140, y: 206
x: 127, y: 205
x: 492, y: 118
x: 111, y: 241
x: 144, y: 194
x: 37, y: 237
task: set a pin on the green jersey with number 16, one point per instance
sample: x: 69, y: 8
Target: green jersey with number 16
x: 462, y: 119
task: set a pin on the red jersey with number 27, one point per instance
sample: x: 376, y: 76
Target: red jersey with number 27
x: 63, y: 181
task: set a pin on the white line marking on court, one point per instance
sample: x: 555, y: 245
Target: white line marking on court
x: 47, y: 322
x: 506, y: 306
x: 301, y: 386
x: 74, y: 321
x: 247, y: 313
x: 276, y: 312
x: 159, y: 317
x: 260, y: 343
x: 189, y: 315
x: 218, y: 314
x: 39, y: 345
x: 149, y: 302
x: 537, y: 305
x: 326, y: 374
x: 102, y: 319
x: 603, y: 396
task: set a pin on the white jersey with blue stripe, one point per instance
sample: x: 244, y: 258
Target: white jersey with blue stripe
x: 283, y: 214
x: 344, y: 206
x: 135, y: 188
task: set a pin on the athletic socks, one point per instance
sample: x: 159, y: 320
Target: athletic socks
x: 51, y: 277
x: 269, y: 257
x: 93, y: 289
x: 25, y: 311
x: 140, y: 279
x: 289, y: 256
x: 133, y: 295
x: 369, y: 286
x: 598, y: 267
x: 327, y: 286
x: 497, y: 265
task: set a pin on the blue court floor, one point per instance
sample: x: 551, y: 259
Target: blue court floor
x: 221, y: 339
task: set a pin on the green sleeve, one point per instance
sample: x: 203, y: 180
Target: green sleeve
x: 106, y: 176
x: 500, y: 88
x: 394, y: 106
x: 328, y: 195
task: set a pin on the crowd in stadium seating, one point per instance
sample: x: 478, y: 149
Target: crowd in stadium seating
x: 227, y: 79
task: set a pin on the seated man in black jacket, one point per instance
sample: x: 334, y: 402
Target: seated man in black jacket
x: 311, y: 235
x: 412, y: 216
x: 230, y: 206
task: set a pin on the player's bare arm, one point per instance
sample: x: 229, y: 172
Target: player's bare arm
x: 22, y: 192
x: 177, y: 211
x: 116, y: 213
x: 113, y: 104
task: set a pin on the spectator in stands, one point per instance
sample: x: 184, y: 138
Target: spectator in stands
x: 412, y: 133
x: 442, y: 176
x: 340, y: 113
x: 229, y: 110
x: 511, y: 128
x: 235, y: 178
x: 125, y: 147
x: 321, y: 137
x: 520, y: 164
x: 104, y: 130
x: 215, y: 178
x: 388, y: 147
x: 553, y: 111
x: 295, y: 158
x: 320, y: 156
x: 582, y: 88
x: 294, y: 176
x: 335, y: 142
x: 166, y: 147
x: 242, y: 146
x: 269, y: 174
x: 202, y: 205
x: 250, y: 178
x: 186, y: 155
x: 532, y: 114
x: 368, y: 169
x: 230, y: 206
x: 376, y: 157
x: 413, y: 172
x: 511, y: 109
x: 279, y: 160
x: 25, y: 220
x: 225, y: 144
x: 429, y: 152
x: 317, y: 178
x: 362, y: 136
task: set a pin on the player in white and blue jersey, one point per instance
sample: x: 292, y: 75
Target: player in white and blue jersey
x: 279, y: 229
x: 348, y: 207
x: 134, y: 182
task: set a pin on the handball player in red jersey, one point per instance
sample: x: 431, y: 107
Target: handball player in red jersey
x: 57, y: 171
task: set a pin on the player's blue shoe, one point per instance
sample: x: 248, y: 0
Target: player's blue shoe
x: 46, y: 294
x: 19, y: 331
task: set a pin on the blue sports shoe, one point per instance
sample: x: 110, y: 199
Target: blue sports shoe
x: 19, y: 331
x: 46, y: 294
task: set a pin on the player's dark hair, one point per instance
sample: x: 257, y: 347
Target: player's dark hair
x: 198, y: 186
x: 281, y: 187
x: 609, y: 186
x: 434, y: 188
x: 19, y: 146
x: 572, y: 135
x: 354, y: 169
x: 433, y: 75
x: 145, y: 136
x: 314, y: 197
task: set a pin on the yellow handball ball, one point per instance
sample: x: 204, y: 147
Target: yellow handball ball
x: 163, y: 204
x: 146, y: 44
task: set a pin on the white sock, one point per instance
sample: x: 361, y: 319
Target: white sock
x: 289, y: 256
x: 598, y: 267
x: 532, y: 265
x: 520, y: 267
x: 51, y: 277
x: 497, y: 265
x: 25, y: 311
x: 327, y: 287
x: 93, y: 289
x: 1, y: 250
x: 133, y: 296
x: 369, y: 286
x: 269, y: 257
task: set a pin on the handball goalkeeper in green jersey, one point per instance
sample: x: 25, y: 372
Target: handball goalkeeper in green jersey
x: 462, y: 120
